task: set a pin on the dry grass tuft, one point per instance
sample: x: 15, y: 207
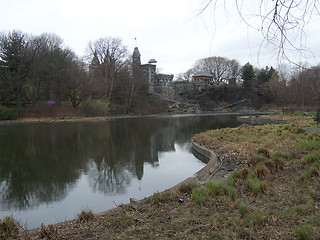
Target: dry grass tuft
x: 8, y: 227
x: 244, y: 173
x: 86, y: 216
x: 47, y: 232
x: 261, y: 171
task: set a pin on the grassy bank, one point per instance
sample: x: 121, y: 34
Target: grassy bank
x: 274, y: 195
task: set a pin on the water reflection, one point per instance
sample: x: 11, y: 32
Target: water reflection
x: 41, y: 163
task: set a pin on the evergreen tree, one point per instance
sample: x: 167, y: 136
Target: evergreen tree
x: 265, y: 74
x: 247, y: 75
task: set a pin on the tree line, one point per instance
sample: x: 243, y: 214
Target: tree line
x: 299, y: 86
x: 39, y: 68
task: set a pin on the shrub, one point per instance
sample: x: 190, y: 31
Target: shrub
x: 8, y: 114
x: 95, y: 108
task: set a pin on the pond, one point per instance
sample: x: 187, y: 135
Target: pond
x: 49, y: 172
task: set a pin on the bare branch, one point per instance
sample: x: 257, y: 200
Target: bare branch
x: 282, y: 23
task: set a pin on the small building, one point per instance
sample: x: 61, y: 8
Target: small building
x: 202, y: 77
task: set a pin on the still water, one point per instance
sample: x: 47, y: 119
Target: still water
x: 50, y: 172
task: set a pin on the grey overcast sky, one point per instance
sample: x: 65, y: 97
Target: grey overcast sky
x: 169, y: 31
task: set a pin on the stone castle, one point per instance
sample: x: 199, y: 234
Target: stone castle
x: 163, y: 84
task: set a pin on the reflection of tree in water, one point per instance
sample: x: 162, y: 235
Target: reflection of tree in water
x: 36, y: 166
x: 107, y: 179
x: 41, y: 163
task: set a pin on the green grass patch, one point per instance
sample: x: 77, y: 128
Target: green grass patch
x: 232, y: 178
x: 255, y: 184
x: 304, y: 232
x: 312, y: 157
x: 188, y: 187
x: 280, y: 154
x: 211, y: 190
x: 309, y: 144
x: 164, y: 197
x: 314, y: 220
x: 218, y: 188
x: 311, y: 171
x: 257, y: 218
x: 199, y: 194
x: 257, y: 158
x: 243, y: 209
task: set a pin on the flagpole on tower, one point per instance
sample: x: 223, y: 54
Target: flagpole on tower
x: 135, y: 40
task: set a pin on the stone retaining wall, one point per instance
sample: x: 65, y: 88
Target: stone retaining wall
x: 204, y: 174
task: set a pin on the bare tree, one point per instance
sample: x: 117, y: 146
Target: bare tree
x: 282, y: 23
x: 186, y: 76
x: 48, y: 74
x: 304, y: 87
x: 234, y: 69
x: 221, y: 68
x: 77, y: 88
x: 108, y: 57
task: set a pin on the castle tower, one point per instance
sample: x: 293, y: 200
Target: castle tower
x: 136, y: 57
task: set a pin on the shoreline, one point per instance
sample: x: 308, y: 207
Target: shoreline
x: 61, y: 120
x: 230, y: 207
x: 201, y: 176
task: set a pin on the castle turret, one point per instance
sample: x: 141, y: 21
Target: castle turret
x: 136, y: 57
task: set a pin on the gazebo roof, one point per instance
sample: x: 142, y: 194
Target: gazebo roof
x: 152, y: 60
x: 203, y: 74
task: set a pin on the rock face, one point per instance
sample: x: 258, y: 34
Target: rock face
x: 212, y: 99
